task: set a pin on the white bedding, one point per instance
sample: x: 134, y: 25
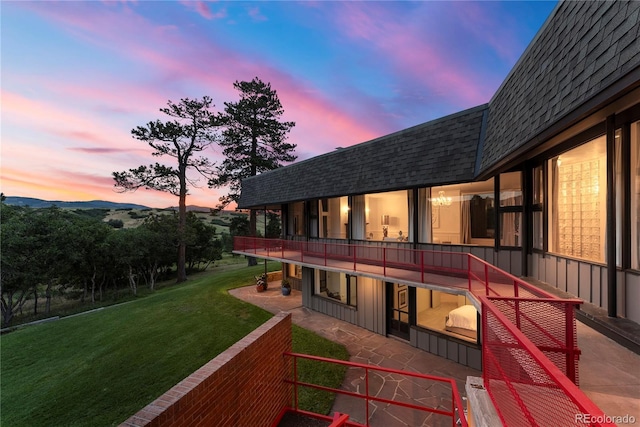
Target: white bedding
x: 465, y: 317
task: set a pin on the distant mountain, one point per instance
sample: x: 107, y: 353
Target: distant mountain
x: 191, y: 208
x: 93, y: 204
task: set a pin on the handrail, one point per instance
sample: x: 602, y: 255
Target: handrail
x: 483, y: 280
x: 386, y: 258
x: 569, y: 389
x: 456, y: 413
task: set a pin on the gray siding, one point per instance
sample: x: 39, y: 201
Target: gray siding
x: 588, y: 281
x: 466, y: 354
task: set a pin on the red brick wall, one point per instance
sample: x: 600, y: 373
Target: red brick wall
x: 244, y: 386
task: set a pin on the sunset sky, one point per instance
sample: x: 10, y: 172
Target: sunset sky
x: 78, y: 76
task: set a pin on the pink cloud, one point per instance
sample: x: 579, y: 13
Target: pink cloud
x: 204, y: 10
x: 256, y: 15
x: 411, y: 53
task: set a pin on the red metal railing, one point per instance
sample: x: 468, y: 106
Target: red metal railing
x: 455, y: 413
x: 549, y: 324
x: 546, y: 323
x: 453, y: 269
x: 526, y: 387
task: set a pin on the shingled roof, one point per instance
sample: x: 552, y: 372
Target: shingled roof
x: 437, y: 152
x: 584, y: 55
x: 583, y: 48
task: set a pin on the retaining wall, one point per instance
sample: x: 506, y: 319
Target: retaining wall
x: 244, y: 386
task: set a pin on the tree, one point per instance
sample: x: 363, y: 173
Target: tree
x: 273, y: 229
x: 253, y: 140
x: 191, y: 131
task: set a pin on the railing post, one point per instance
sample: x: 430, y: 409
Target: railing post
x: 366, y: 382
x: 515, y: 290
x: 325, y: 254
x: 518, y: 314
x: 486, y: 279
x: 282, y: 241
x: 295, y: 380
x: 355, y: 248
x: 571, y: 367
x: 469, y: 270
x: 422, y: 266
x: 384, y: 262
x: 302, y: 251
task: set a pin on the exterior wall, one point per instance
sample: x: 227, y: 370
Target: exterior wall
x: 588, y: 281
x: 234, y: 389
x: 463, y: 353
x: 371, y: 314
x: 370, y: 310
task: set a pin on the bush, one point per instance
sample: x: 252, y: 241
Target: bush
x: 116, y: 223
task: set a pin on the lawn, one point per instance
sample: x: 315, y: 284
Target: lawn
x: 101, y: 367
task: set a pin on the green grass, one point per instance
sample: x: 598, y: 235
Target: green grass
x: 102, y: 367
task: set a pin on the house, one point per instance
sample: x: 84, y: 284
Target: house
x: 542, y: 182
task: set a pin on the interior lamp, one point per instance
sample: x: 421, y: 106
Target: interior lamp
x: 384, y: 220
x: 441, y: 200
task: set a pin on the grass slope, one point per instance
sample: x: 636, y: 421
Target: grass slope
x: 102, y: 367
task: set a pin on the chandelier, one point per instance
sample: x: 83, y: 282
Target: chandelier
x: 441, y: 200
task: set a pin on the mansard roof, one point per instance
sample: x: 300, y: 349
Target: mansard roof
x: 583, y: 49
x: 437, y: 152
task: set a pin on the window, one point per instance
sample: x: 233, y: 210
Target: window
x: 635, y: 195
x: 578, y: 197
x: 511, y: 209
x: 296, y: 219
x: 294, y: 270
x: 334, y: 217
x: 336, y: 286
x: 446, y: 313
x: 537, y: 208
x: 387, y: 216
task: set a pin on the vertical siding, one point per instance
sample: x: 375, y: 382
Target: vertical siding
x: 632, y: 306
x: 588, y: 281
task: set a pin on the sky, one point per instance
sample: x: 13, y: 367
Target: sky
x: 77, y: 76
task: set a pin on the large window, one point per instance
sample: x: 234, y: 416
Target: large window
x: 635, y: 195
x: 336, y: 286
x: 464, y: 213
x: 538, y: 213
x: 387, y: 216
x: 296, y: 219
x: 446, y: 313
x: 333, y: 217
x: 511, y: 209
x: 577, y: 206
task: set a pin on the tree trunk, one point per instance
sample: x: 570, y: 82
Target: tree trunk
x: 132, y: 282
x: 254, y: 232
x: 93, y: 287
x: 35, y: 299
x: 47, y: 294
x: 182, y: 225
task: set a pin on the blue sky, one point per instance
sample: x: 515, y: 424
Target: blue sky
x: 78, y: 76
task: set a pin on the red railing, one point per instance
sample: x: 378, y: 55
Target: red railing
x: 455, y: 414
x: 526, y: 387
x: 453, y: 269
x: 549, y: 323
x: 545, y: 322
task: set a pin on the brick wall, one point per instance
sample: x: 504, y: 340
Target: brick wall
x: 241, y: 387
